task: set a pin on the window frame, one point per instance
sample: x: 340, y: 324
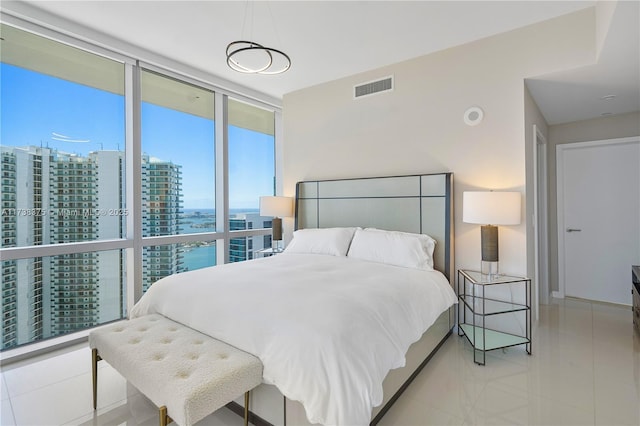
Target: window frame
x: 132, y: 243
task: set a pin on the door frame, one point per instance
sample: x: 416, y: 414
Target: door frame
x: 541, y: 218
x: 560, y: 151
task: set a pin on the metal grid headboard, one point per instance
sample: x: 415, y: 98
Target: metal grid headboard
x: 414, y: 203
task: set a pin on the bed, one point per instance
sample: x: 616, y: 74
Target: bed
x: 350, y: 312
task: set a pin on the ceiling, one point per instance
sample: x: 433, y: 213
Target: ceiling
x: 327, y: 40
x: 585, y: 93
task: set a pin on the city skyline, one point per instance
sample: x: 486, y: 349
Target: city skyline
x: 54, y: 295
x: 64, y: 178
x: 41, y: 110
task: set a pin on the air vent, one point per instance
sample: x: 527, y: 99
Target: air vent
x: 373, y: 87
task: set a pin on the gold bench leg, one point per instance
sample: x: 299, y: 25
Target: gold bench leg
x: 246, y: 408
x: 94, y: 373
x: 164, y: 417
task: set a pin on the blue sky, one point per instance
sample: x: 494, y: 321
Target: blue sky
x: 37, y: 109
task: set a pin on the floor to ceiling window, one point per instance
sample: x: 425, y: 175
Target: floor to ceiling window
x: 63, y: 178
x: 178, y: 174
x: 251, y: 136
x: 69, y: 175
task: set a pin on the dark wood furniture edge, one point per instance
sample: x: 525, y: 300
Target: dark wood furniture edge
x: 259, y: 421
x: 406, y: 384
x: 254, y: 419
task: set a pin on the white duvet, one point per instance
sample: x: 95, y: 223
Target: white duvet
x: 327, y: 329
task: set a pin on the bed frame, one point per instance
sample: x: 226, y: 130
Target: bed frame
x: 414, y: 203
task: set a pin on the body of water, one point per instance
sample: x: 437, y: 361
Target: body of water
x: 193, y: 221
x: 200, y: 257
x: 202, y: 220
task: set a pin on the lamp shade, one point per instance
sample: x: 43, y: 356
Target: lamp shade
x: 276, y: 206
x: 491, y: 207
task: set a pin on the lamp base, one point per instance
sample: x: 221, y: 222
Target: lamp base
x: 489, y: 268
x: 489, y: 243
x: 276, y: 234
x: 276, y: 228
x: 276, y: 246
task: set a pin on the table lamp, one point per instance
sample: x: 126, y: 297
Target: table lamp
x: 489, y: 208
x: 278, y: 207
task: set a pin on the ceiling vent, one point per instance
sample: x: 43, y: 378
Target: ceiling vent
x: 373, y: 87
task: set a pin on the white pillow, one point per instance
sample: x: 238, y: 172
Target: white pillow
x: 332, y: 241
x: 393, y: 248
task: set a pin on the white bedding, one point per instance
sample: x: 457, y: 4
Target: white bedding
x: 327, y: 329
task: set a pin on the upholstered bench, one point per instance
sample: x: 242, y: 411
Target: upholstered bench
x: 187, y: 374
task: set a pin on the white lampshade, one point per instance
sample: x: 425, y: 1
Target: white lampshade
x: 276, y: 206
x: 491, y: 208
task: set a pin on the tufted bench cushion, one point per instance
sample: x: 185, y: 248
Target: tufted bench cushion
x: 189, y: 373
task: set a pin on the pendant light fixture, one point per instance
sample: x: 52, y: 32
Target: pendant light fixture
x: 249, y: 57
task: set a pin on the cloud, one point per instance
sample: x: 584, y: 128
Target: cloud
x: 64, y: 138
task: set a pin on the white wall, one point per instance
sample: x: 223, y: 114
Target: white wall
x: 532, y: 117
x: 611, y: 127
x: 418, y: 128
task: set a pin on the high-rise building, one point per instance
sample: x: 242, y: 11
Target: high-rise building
x: 9, y: 234
x: 52, y: 197
x: 161, y: 215
x: 245, y: 248
x: 73, y: 204
x: 24, y: 171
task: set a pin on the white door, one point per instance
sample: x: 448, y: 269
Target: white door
x: 598, y: 218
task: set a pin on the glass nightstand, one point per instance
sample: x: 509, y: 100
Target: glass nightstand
x: 474, y: 304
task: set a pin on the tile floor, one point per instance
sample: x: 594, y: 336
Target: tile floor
x: 585, y: 370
